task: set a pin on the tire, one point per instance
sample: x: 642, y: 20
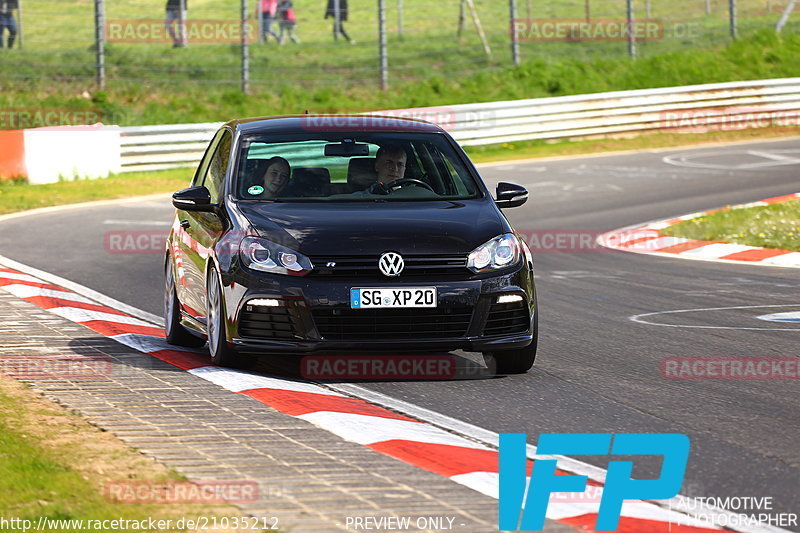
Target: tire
x: 520, y: 360
x: 176, y: 334
x: 222, y: 353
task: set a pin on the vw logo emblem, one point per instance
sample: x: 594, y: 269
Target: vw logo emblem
x: 391, y: 264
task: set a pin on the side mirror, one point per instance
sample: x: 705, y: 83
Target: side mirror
x: 510, y: 195
x: 193, y: 199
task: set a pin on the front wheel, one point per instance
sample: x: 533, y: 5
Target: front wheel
x: 520, y: 360
x: 222, y: 354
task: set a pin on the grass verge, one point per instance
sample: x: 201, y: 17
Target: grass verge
x: 54, y: 464
x: 177, y: 100
x: 771, y: 226
x: 19, y: 196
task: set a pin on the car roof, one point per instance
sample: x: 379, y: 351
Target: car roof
x: 329, y: 123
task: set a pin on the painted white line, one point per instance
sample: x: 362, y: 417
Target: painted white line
x: 791, y: 316
x: 627, y: 237
x: 716, y: 250
x: 772, y: 160
x: 658, y: 225
x: 27, y: 291
x: 85, y: 315
x: 790, y: 259
x: 640, y: 318
x: 655, y: 244
x: 239, y: 380
x: 367, y: 429
x: 487, y: 483
x: 148, y: 344
x: 19, y: 277
x: 82, y: 290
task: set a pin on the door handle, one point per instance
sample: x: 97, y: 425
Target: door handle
x: 185, y: 224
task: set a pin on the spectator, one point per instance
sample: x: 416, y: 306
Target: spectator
x: 268, y: 11
x: 175, y: 23
x: 287, y: 21
x: 7, y: 21
x: 338, y: 29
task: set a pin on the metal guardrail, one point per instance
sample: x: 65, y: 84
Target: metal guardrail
x: 162, y: 147
x: 577, y: 116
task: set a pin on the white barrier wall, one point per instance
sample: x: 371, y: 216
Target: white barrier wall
x: 70, y: 152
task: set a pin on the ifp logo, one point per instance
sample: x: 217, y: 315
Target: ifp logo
x: 619, y: 486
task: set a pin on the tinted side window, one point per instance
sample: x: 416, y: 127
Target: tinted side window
x: 215, y: 175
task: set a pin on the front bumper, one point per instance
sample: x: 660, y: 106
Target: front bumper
x: 312, y: 314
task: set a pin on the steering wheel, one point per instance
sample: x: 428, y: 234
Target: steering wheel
x: 400, y: 182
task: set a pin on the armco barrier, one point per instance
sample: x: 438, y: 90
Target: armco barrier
x: 161, y: 147
x: 690, y: 108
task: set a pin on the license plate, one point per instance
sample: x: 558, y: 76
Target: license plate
x: 389, y: 297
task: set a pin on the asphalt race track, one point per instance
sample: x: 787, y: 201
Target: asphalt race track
x: 597, y: 371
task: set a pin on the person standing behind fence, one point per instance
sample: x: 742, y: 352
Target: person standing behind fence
x: 287, y: 20
x: 268, y: 12
x: 338, y: 29
x: 7, y: 21
x: 175, y: 23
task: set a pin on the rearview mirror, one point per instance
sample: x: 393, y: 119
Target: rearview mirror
x: 347, y: 149
x: 510, y: 195
x: 193, y: 199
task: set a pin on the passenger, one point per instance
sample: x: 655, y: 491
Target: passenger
x: 276, y: 177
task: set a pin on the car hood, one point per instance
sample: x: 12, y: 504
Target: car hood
x: 370, y: 228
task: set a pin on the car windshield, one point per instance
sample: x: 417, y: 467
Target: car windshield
x: 347, y: 166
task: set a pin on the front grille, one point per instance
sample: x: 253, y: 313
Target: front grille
x: 367, y: 266
x: 274, y: 323
x: 507, y: 318
x: 377, y: 324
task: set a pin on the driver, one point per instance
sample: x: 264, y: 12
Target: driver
x: 390, y: 165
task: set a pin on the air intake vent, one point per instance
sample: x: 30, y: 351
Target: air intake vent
x: 507, y: 318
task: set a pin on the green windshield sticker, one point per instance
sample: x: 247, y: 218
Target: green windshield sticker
x: 255, y: 189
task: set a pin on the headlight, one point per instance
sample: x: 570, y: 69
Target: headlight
x: 266, y: 256
x: 500, y: 252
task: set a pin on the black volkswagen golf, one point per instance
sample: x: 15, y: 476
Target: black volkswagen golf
x: 346, y: 233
